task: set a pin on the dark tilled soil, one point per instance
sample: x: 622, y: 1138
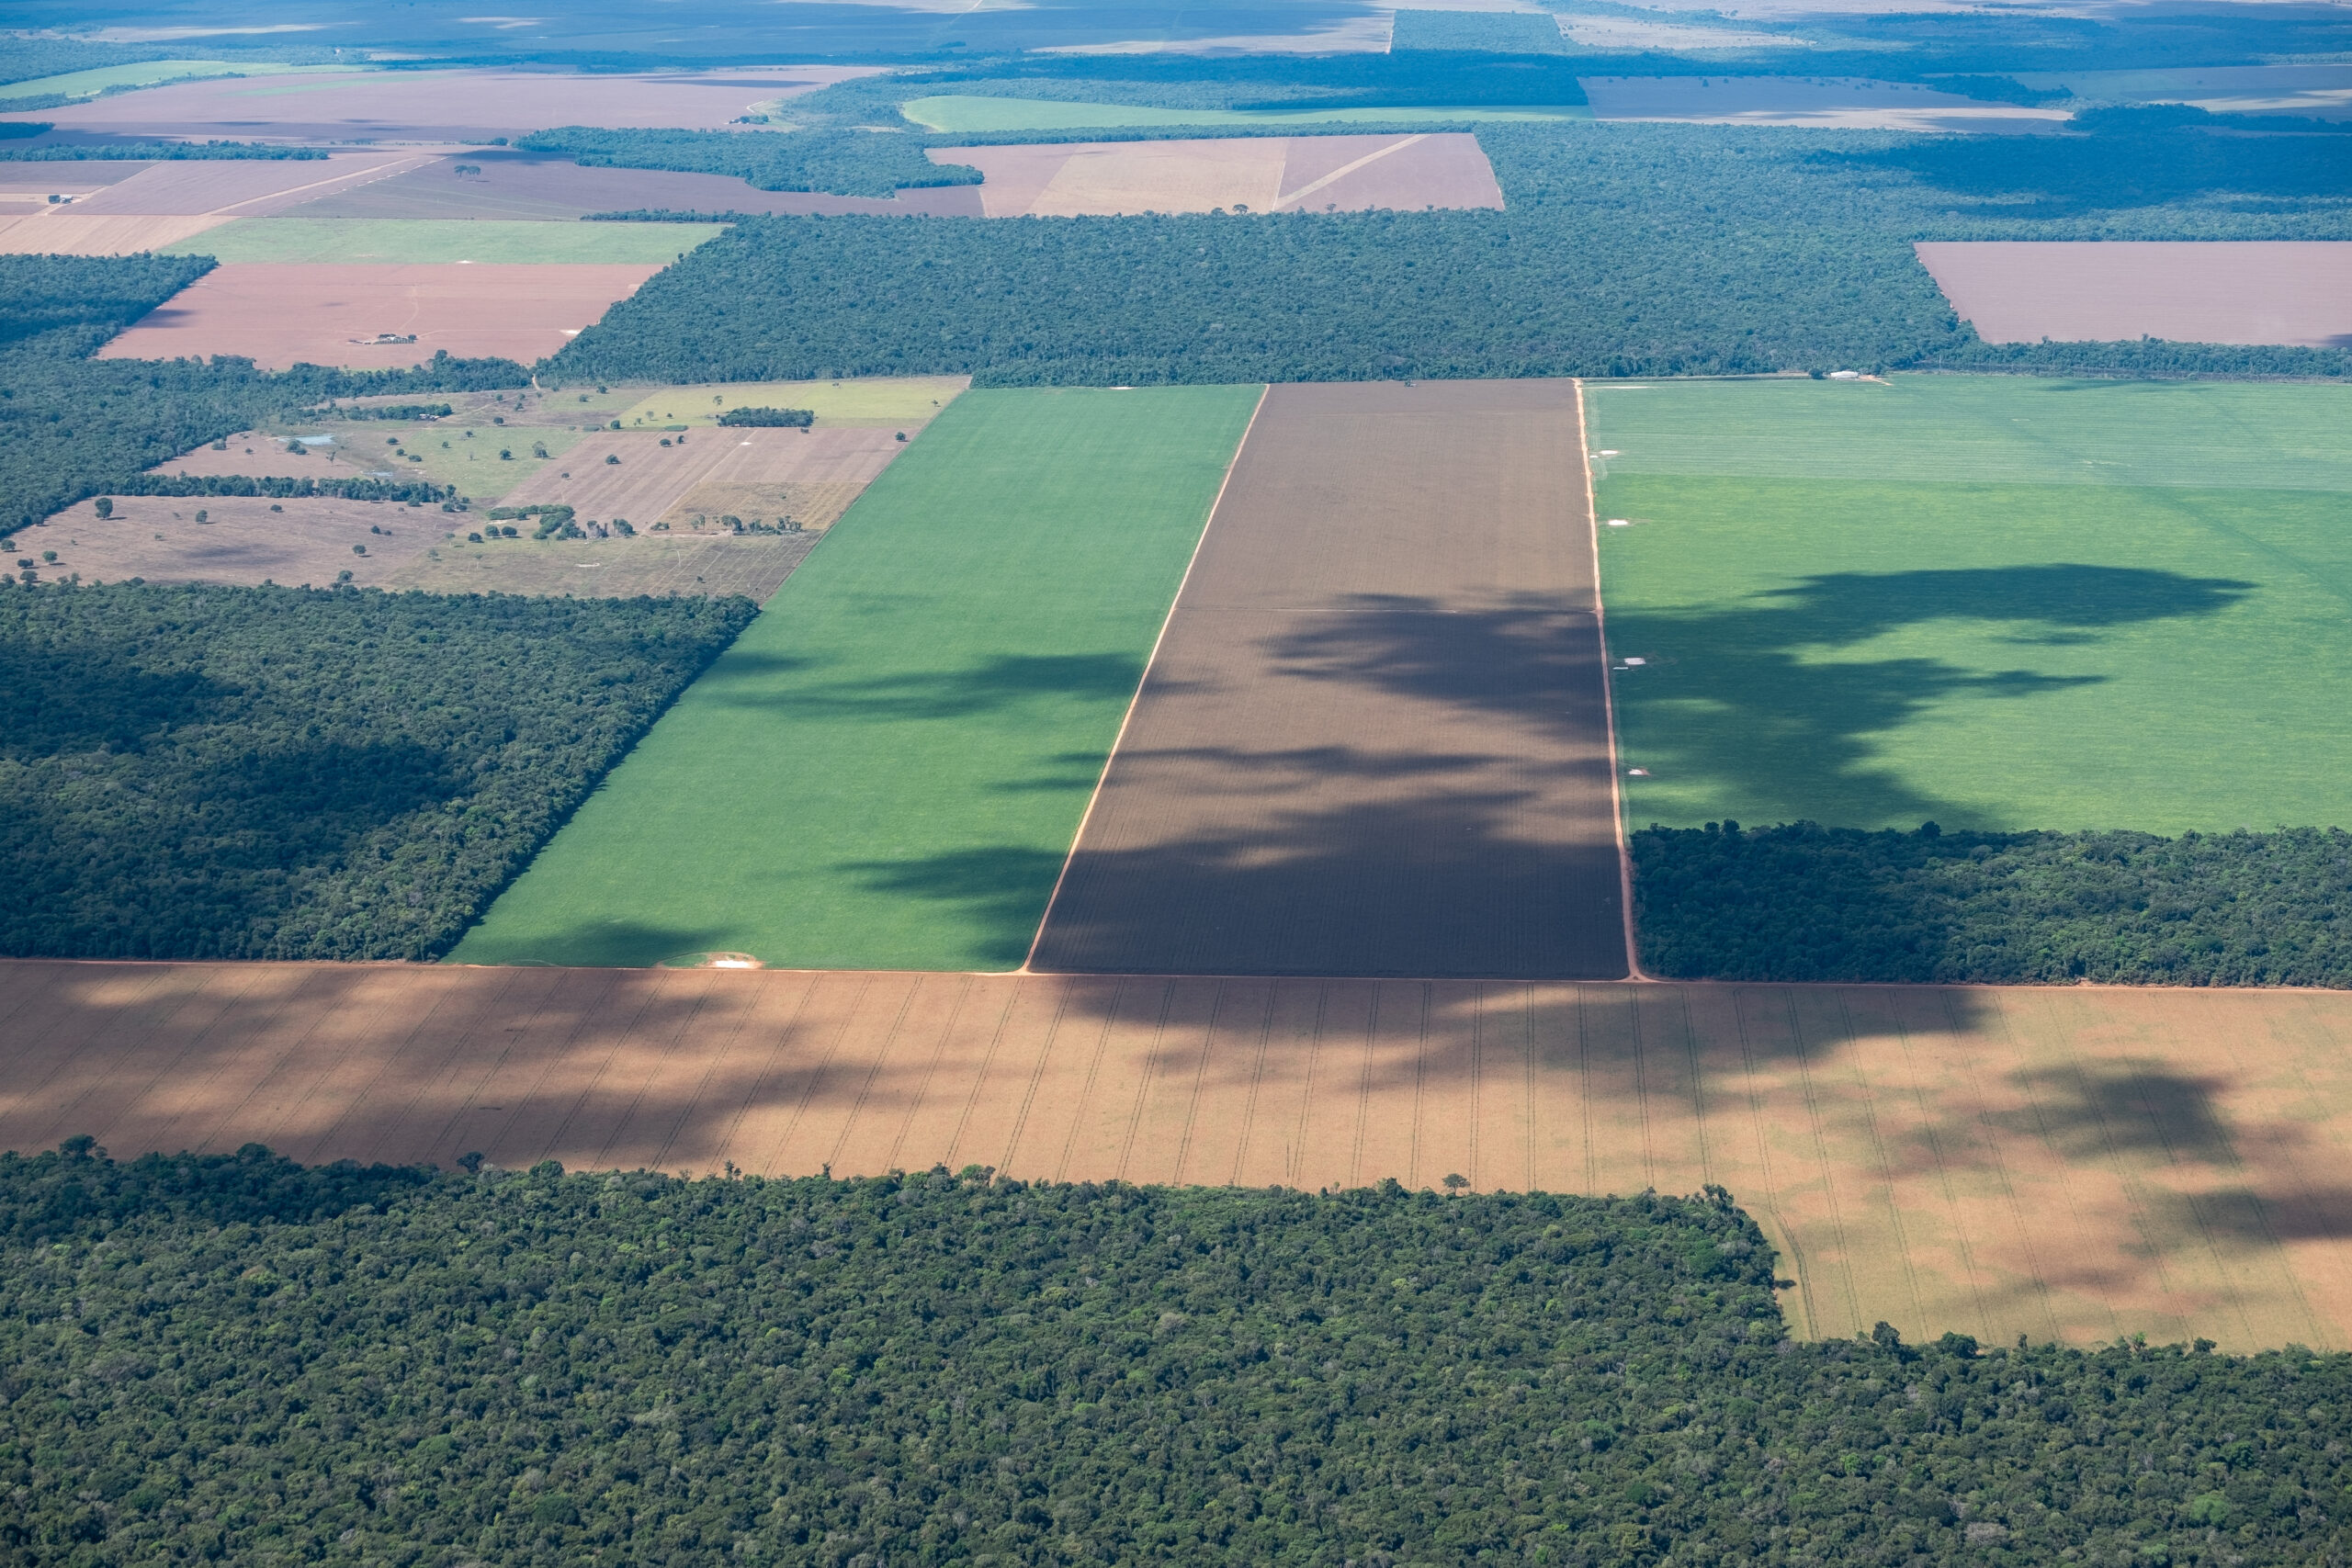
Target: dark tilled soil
x: 1375, y: 739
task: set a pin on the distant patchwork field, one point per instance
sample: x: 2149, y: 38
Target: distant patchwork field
x: 2296, y: 292
x: 1988, y: 601
x: 1299, y: 174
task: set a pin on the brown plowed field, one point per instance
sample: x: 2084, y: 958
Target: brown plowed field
x: 2074, y: 1163
x: 541, y: 185
x: 243, y: 188
x: 439, y: 105
x: 652, y: 479
x: 71, y: 232
x: 1373, y: 740
x: 283, y: 314
x: 1270, y: 173
x: 2296, y: 292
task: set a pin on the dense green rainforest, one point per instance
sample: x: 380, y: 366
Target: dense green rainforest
x: 235, y: 1359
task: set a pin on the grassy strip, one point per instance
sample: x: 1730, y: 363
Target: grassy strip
x: 380, y: 241
x: 2050, y: 652
x: 888, y: 769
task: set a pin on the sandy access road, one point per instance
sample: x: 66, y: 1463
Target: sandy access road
x: 2074, y: 1162
x: 1373, y: 740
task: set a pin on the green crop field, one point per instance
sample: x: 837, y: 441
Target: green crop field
x: 888, y: 769
x: 422, y: 240
x: 1988, y: 601
x: 961, y: 113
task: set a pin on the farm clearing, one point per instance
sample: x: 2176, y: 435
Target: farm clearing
x: 2080, y: 1164
x: 956, y: 113
x: 2084, y: 604
x: 279, y: 314
x: 1373, y: 738
x: 2296, y: 292
x: 356, y: 241
x: 887, y: 768
x: 1307, y: 174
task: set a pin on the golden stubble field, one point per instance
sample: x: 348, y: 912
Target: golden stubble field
x: 2064, y: 1163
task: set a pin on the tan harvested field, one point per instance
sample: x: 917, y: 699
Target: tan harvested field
x: 158, y: 538
x: 684, y: 564
x: 439, y: 105
x: 1824, y: 103
x: 71, y: 232
x: 814, y: 505
x: 2297, y: 292
x: 885, y: 402
x: 1373, y: 738
x: 544, y: 186
x: 652, y: 479
x: 280, y: 314
x: 243, y: 188
x: 2069, y: 1163
x: 1270, y: 173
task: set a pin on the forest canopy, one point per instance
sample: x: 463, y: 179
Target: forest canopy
x: 283, y: 772
x: 1803, y: 902
x: 230, y: 1354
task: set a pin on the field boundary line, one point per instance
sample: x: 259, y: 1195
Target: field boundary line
x: 1151, y: 659
x: 1608, y: 695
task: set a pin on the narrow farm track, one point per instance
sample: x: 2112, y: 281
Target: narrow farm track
x: 2075, y: 1163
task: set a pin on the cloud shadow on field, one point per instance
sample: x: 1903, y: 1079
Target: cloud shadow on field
x: 1736, y: 702
x: 991, y: 686
x: 596, y: 944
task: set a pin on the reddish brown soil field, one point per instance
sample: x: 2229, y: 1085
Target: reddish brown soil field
x: 533, y: 186
x: 2074, y: 1163
x: 280, y: 314
x: 651, y: 480
x: 2288, y: 291
x: 1373, y: 740
x: 1348, y: 174
x: 438, y: 106
x: 309, y: 542
x: 243, y: 188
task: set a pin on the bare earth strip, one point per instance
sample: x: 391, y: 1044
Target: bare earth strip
x: 1373, y: 740
x: 244, y: 188
x: 544, y: 186
x: 2068, y: 1163
x: 651, y: 480
x: 70, y: 232
x: 2295, y: 292
x: 279, y: 314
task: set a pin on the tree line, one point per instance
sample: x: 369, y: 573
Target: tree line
x: 1803, y: 902
x: 1623, y: 250
x: 279, y: 773
x: 230, y: 1354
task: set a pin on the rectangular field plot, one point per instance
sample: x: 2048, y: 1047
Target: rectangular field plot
x: 2073, y: 1163
x: 279, y: 314
x: 2297, y: 292
x: 1993, y: 602
x: 888, y: 769
x: 645, y: 477
x: 359, y: 240
x: 1373, y: 738
x: 1295, y: 173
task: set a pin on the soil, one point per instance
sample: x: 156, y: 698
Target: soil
x: 2295, y: 292
x: 241, y: 187
x: 2072, y: 1163
x: 1350, y: 173
x: 279, y: 314
x: 1841, y: 104
x: 1373, y: 740
x: 69, y: 231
